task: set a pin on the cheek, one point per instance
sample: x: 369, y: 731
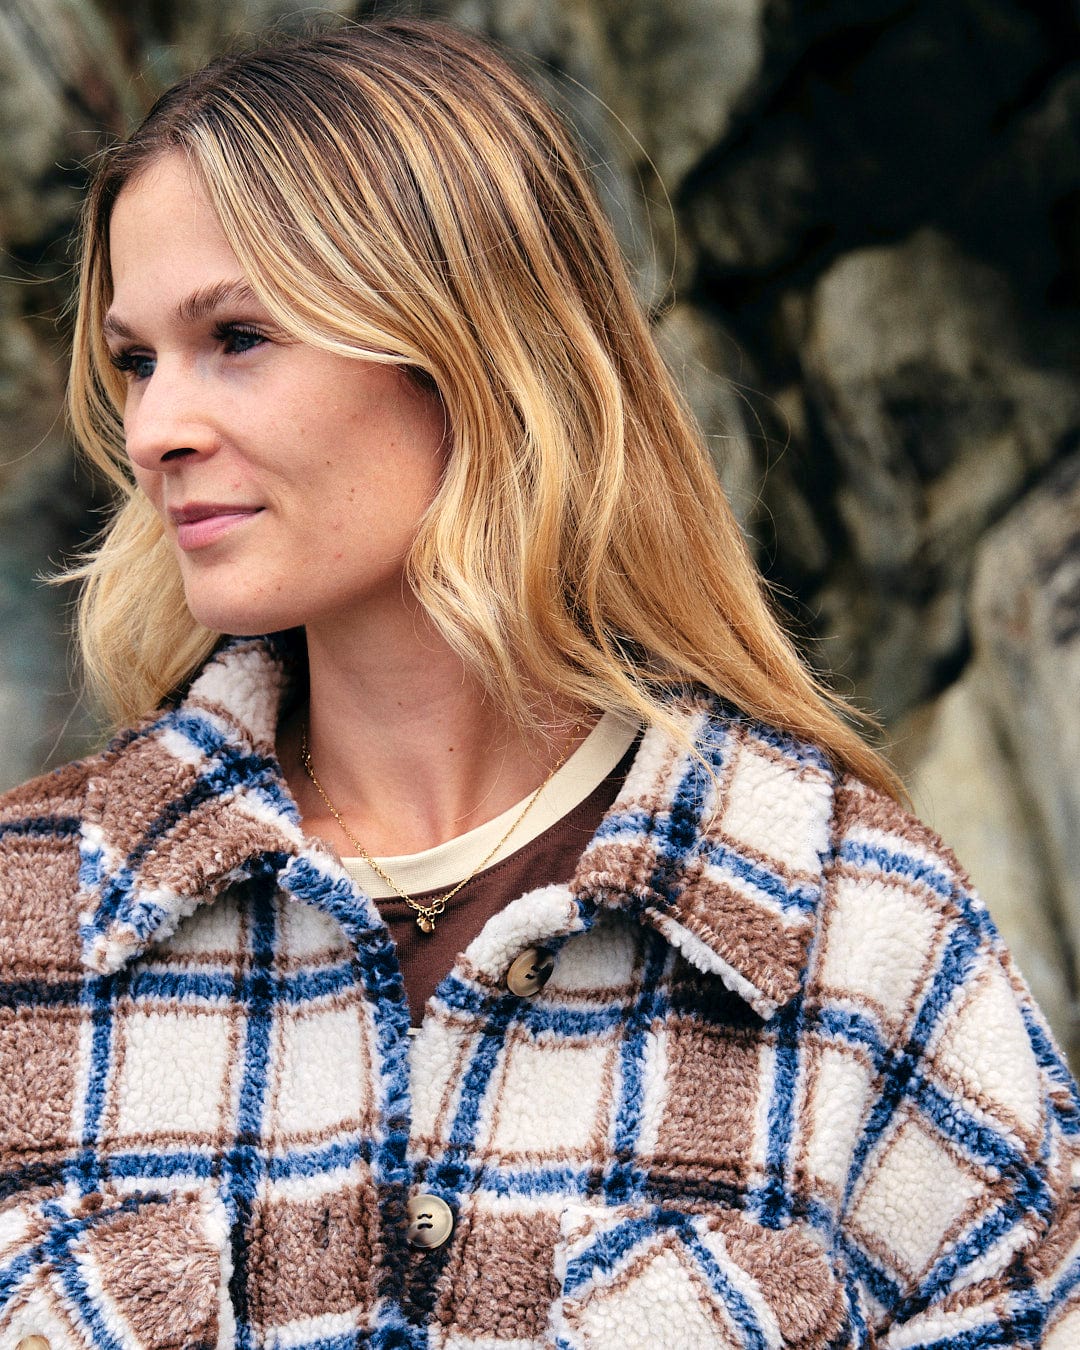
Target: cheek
x: 151, y: 485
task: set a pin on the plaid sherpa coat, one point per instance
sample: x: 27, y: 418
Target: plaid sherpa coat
x: 783, y: 1087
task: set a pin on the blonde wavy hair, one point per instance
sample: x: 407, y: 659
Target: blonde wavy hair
x: 395, y: 191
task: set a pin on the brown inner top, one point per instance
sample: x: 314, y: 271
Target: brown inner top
x: 549, y: 858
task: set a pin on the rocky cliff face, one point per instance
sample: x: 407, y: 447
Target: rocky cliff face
x: 858, y: 227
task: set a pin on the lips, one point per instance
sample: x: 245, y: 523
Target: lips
x: 201, y: 523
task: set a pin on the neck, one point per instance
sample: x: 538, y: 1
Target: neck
x: 404, y: 742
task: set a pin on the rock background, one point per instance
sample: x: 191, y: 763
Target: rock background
x: 857, y: 224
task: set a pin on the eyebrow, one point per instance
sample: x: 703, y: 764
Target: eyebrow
x: 198, y: 305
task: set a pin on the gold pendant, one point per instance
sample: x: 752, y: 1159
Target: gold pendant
x: 425, y: 923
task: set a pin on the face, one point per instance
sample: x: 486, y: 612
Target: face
x: 290, y: 480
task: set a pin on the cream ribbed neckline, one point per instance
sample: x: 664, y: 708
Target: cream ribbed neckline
x: 447, y: 863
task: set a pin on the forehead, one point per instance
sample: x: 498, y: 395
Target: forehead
x: 163, y: 229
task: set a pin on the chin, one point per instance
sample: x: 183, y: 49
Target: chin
x: 243, y: 601
x: 238, y: 620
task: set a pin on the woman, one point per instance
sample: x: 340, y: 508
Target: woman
x: 515, y: 948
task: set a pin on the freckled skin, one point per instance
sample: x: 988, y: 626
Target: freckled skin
x: 340, y: 457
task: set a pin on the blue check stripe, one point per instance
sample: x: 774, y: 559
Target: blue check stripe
x: 16, y: 1270
x: 880, y: 1284
x: 534, y: 1181
x: 462, y: 1133
x: 820, y: 1219
x: 854, y: 1028
x: 91, y: 875
x: 210, y: 986
x: 668, y: 833
x: 801, y: 899
x: 911, y: 868
x: 957, y: 963
x: 231, y: 766
x: 801, y: 752
x: 123, y: 902
x: 393, y: 1332
x: 676, y: 833
x: 953, y: 1121
x: 1057, y: 1071
x: 898, y: 864
x: 162, y: 1166
x: 1019, y: 1324
x: 227, y: 776
x: 752, y: 1336
x: 903, y: 1070
x: 605, y: 1251
x: 775, y: 1206
x: 27, y: 1176
x: 115, y: 894
x: 979, y: 1141
x: 1069, y: 1281
x: 306, y: 880
x: 41, y: 993
x: 205, y: 1165
x: 79, y: 1297
x: 611, y: 1246
x: 199, y: 731
x: 625, y: 1178
x: 98, y: 994
x: 684, y: 818
x: 318, y: 1162
x: 243, y: 1167
x: 41, y: 827
x: 980, y: 1239
x: 627, y: 824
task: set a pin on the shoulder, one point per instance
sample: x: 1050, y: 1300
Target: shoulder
x: 49, y: 807
x: 895, y: 879
x: 60, y: 792
x: 869, y: 846
x: 904, y: 937
x: 909, y: 964
x: 41, y: 826
x: 872, y: 909
x: 963, y: 1121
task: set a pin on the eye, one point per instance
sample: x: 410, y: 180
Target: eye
x: 135, y: 364
x: 237, y: 338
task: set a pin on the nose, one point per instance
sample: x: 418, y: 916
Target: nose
x: 168, y: 419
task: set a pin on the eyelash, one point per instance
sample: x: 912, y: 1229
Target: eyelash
x: 129, y: 360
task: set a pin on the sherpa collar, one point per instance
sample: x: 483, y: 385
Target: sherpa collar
x: 726, y: 864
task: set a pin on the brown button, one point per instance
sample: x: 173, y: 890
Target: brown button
x: 530, y: 971
x: 33, y: 1343
x: 431, y: 1221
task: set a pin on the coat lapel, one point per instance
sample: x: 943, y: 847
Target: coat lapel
x: 721, y: 851
x: 184, y: 806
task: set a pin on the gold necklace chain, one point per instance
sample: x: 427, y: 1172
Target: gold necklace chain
x: 425, y: 914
